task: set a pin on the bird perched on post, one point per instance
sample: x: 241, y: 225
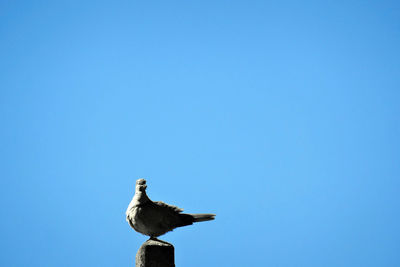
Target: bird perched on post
x: 155, y: 218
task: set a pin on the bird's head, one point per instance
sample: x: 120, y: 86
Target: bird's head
x: 141, y: 185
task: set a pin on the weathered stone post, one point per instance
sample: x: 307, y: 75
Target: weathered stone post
x: 155, y: 253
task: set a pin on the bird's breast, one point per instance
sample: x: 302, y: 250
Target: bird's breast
x: 138, y: 220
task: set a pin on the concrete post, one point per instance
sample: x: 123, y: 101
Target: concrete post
x: 155, y: 253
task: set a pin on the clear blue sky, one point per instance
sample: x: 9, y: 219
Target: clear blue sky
x: 282, y: 117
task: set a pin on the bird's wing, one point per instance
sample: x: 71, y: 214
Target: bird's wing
x: 168, y: 207
x: 172, y: 216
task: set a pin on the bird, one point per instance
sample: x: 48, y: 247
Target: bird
x: 155, y: 218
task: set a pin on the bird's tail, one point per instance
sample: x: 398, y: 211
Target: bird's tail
x: 203, y: 217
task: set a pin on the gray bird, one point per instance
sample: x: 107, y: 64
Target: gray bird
x: 155, y: 218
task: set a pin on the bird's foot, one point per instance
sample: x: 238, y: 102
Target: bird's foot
x: 158, y: 240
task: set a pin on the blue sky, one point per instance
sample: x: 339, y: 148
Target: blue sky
x: 282, y: 117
